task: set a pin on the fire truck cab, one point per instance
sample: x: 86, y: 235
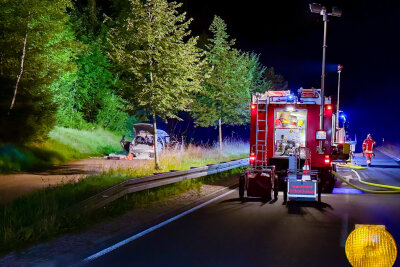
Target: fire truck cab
x: 288, y: 149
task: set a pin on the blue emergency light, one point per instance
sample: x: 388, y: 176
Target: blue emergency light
x: 290, y: 98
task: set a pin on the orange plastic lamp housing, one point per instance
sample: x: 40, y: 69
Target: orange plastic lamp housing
x: 371, y: 245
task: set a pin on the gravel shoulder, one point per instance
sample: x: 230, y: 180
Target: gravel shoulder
x: 70, y: 249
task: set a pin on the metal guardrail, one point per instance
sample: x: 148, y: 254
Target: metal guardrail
x: 139, y: 184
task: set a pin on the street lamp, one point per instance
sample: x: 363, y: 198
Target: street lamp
x: 339, y: 70
x: 318, y: 9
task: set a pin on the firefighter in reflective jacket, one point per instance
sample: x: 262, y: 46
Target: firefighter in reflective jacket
x: 368, y: 147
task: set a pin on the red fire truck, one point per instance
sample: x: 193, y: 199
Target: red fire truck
x: 288, y: 147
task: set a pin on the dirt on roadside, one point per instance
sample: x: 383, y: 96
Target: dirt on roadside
x: 15, y: 185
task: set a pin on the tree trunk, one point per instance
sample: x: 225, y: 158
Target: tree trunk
x: 157, y: 164
x: 1, y: 65
x: 20, y: 74
x: 93, y: 6
x: 220, y: 136
x: 93, y: 13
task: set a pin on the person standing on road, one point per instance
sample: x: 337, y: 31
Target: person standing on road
x: 368, y: 147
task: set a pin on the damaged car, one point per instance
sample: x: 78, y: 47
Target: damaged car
x: 142, y: 145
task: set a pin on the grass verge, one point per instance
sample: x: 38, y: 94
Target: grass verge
x: 64, y: 144
x: 41, y: 216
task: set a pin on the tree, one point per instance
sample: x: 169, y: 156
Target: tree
x: 91, y: 94
x: 226, y: 90
x: 275, y: 81
x: 36, y: 46
x: 257, y: 71
x: 161, y: 69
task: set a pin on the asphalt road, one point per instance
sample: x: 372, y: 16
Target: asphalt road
x: 384, y: 169
x: 229, y: 232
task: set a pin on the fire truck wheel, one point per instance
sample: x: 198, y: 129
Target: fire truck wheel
x: 334, y: 167
x: 327, y: 182
x: 241, y: 186
x: 285, y: 193
x: 276, y: 187
x: 319, y: 193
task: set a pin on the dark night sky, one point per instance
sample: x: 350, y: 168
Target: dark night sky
x: 364, y: 40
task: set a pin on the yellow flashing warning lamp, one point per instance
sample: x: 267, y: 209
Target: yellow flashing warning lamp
x: 370, y: 245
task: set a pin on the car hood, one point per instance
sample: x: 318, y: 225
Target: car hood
x: 142, y: 129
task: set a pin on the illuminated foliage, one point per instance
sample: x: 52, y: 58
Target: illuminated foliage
x: 230, y: 75
x: 257, y: 71
x: 160, y: 68
x: 91, y: 94
x: 50, y: 46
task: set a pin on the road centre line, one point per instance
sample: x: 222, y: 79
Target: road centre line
x: 151, y: 229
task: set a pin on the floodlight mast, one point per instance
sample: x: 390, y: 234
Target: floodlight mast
x: 317, y: 8
x: 339, y: 70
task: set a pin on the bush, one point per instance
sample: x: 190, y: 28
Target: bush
x: 14, y: 159
x: 30, y: 120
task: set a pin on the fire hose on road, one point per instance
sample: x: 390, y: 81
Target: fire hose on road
x: 397, y: 191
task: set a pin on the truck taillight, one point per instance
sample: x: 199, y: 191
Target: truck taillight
x: 252, y: 157
x: 327, y: 160
x: 253, y: 106
x: 328, y: 110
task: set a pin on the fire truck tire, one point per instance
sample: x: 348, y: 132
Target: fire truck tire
x: 319, y: 193
x: 285, y: 193
x: 276, y: 187
x: 330, y: 183
x: 334, y: 167
x: 241, y: 186
x: 327, y: 182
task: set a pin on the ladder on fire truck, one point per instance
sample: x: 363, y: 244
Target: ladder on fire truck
x: 261, y: 143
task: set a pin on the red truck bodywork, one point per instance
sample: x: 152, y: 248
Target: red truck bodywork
x: 313, y: 110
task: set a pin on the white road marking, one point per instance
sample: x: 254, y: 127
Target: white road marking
x: 151, y: 229
x: 389, y: 155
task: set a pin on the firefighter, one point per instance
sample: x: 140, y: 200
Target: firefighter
x: 368, y: 147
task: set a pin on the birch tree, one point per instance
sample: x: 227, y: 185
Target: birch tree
x: 36, y: 48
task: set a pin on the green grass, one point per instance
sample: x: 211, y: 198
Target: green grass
x: 41, y: 215
x: 87, y: 143
x: 63, y: 145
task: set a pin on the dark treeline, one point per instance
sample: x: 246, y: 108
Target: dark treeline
x: 85, y: 64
